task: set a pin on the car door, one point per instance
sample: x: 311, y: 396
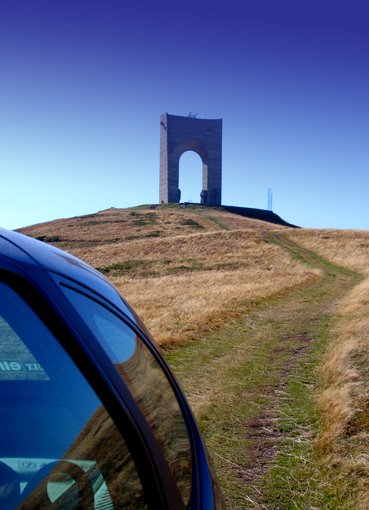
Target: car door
x: 69, y: 437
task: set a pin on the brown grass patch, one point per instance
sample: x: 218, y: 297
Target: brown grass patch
x: 180, y: 307
x: 203, y: 268
x: 348, y: 248
x: 209, y: 247
x: 114, y: 225
x: 343, y: 398
x: 343, y: 402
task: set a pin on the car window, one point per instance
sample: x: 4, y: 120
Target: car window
x: 147, y: 382
x: 58, y: 444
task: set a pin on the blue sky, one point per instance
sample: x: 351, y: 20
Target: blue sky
x: 83, y: 85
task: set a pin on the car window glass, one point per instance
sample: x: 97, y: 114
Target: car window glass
x: 147, y: 381
x: 109, y: 332
x: 59, y: 447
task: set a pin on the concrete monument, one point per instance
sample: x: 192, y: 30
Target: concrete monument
x: 203, y: 136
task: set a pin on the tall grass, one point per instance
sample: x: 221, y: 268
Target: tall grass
x: 348, y: 248
x: 186, y: 284
x: 182, y: 306
x: 343, y: 401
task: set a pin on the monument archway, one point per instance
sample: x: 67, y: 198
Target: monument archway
x: 203, y: 136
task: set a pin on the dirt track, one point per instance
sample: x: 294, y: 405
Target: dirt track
x: 252, y: 388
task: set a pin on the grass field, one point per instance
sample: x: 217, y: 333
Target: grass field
x: 267, y: 329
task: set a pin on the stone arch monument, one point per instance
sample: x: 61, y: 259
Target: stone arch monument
x: 203, y: 136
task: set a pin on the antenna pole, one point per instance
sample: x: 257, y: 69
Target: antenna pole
x: 270, y: 199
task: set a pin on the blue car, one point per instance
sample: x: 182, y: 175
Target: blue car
x: 91, y: 415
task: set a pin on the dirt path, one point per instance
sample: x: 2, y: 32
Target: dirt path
x: 252, y: 386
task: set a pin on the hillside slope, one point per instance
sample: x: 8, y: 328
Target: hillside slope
x: 185, y: 269
x: 268, y: 336
x: 190, y: 269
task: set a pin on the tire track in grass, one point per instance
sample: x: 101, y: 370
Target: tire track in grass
x: 252, y: 386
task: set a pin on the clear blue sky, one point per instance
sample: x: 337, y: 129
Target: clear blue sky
x: 83, y: 84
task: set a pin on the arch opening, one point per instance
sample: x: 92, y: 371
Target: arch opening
x: 190, y: 177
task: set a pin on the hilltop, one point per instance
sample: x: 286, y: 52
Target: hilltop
x: 144, y: 221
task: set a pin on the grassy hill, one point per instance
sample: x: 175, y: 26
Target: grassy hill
x: 185, y: 269
x: 267, y: 328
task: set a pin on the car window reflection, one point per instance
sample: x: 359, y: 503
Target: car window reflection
x: 147, y: 382
x: 58, y: 444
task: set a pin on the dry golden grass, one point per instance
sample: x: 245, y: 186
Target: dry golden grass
x: 343, y: 399
x: 205, y: 279
x: 113, y: 225
x: 348, y: 248
x: 343, y: 402
x: 204, y: 267
x: 231, y: 247
x: 177, y: 308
